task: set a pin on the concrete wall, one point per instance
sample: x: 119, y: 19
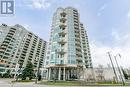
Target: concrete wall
x: 102, y: 74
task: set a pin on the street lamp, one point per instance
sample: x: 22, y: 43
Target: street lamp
x: 119, y: 67
x: 37, y: 69
x: 16, y: 71
x: 112, y: 66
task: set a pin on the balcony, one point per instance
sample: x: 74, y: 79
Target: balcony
x: 76, y: 15
x: 61, y: 41
x: 79, y: 54
x: 11, y: 33
x: 4, y: 46
x: 21, y: 60
x: 77, y: 38
x: 2, y: 61
x: 75, y: 11
x: 79, y: 58
x: 76, y: 19
x: 5, y: 57
x: 77, y: 34
x: 80, y: 65
x: 78, y: 48
x: 62, y: 26
x: 77, y: 31
x: 2, y: 50
x: 76, y: 23
x: 77, y: 43
x: 5, y: 43
x: 63, y: 20
x: 61, y: 51
x: 13, y: 29
x: 63, y: 33
x: 9, y: 36
x: 63, y: 14
x: 7, y: 39
x: 76, y: 27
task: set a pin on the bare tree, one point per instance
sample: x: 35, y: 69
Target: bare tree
x: 100, y: 73
x: 80, y: 71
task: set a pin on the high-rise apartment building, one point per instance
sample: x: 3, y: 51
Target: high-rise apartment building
x: 19, y: 46
x: 68, y: 50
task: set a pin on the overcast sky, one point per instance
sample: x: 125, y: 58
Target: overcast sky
x: 107, y: 23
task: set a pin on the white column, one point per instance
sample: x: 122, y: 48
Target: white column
x: 59, y: 73
x: 68, y: 74
x: 64, y: 75
x: 47, y: 74
x: 49, y: 77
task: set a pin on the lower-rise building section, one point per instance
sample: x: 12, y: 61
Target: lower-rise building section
x: 61, y: 73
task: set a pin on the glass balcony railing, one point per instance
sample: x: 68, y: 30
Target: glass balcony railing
x: 62, y: 33
x: 61, y: 51
x: 62, y: 26
x: 79, y: 53
x: 62, y: 41
x: 79, y: 58
x: 63, y: 20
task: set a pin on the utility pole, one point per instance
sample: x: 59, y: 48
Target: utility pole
x: 112, y: 66
x: 119, y: 68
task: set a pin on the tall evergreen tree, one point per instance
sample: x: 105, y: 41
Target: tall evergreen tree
x: 28, y: 72
x: 7, y: 74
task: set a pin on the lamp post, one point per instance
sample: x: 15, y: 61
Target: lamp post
x: 37, y: 70
x: 16, y: 71
x: 112, y: 66
x: 119, y: 68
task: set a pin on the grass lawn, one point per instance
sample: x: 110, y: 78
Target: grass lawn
x: 80, y: 83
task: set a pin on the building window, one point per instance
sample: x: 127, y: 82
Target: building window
x: 61, y: 62
x: 47, y: 63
